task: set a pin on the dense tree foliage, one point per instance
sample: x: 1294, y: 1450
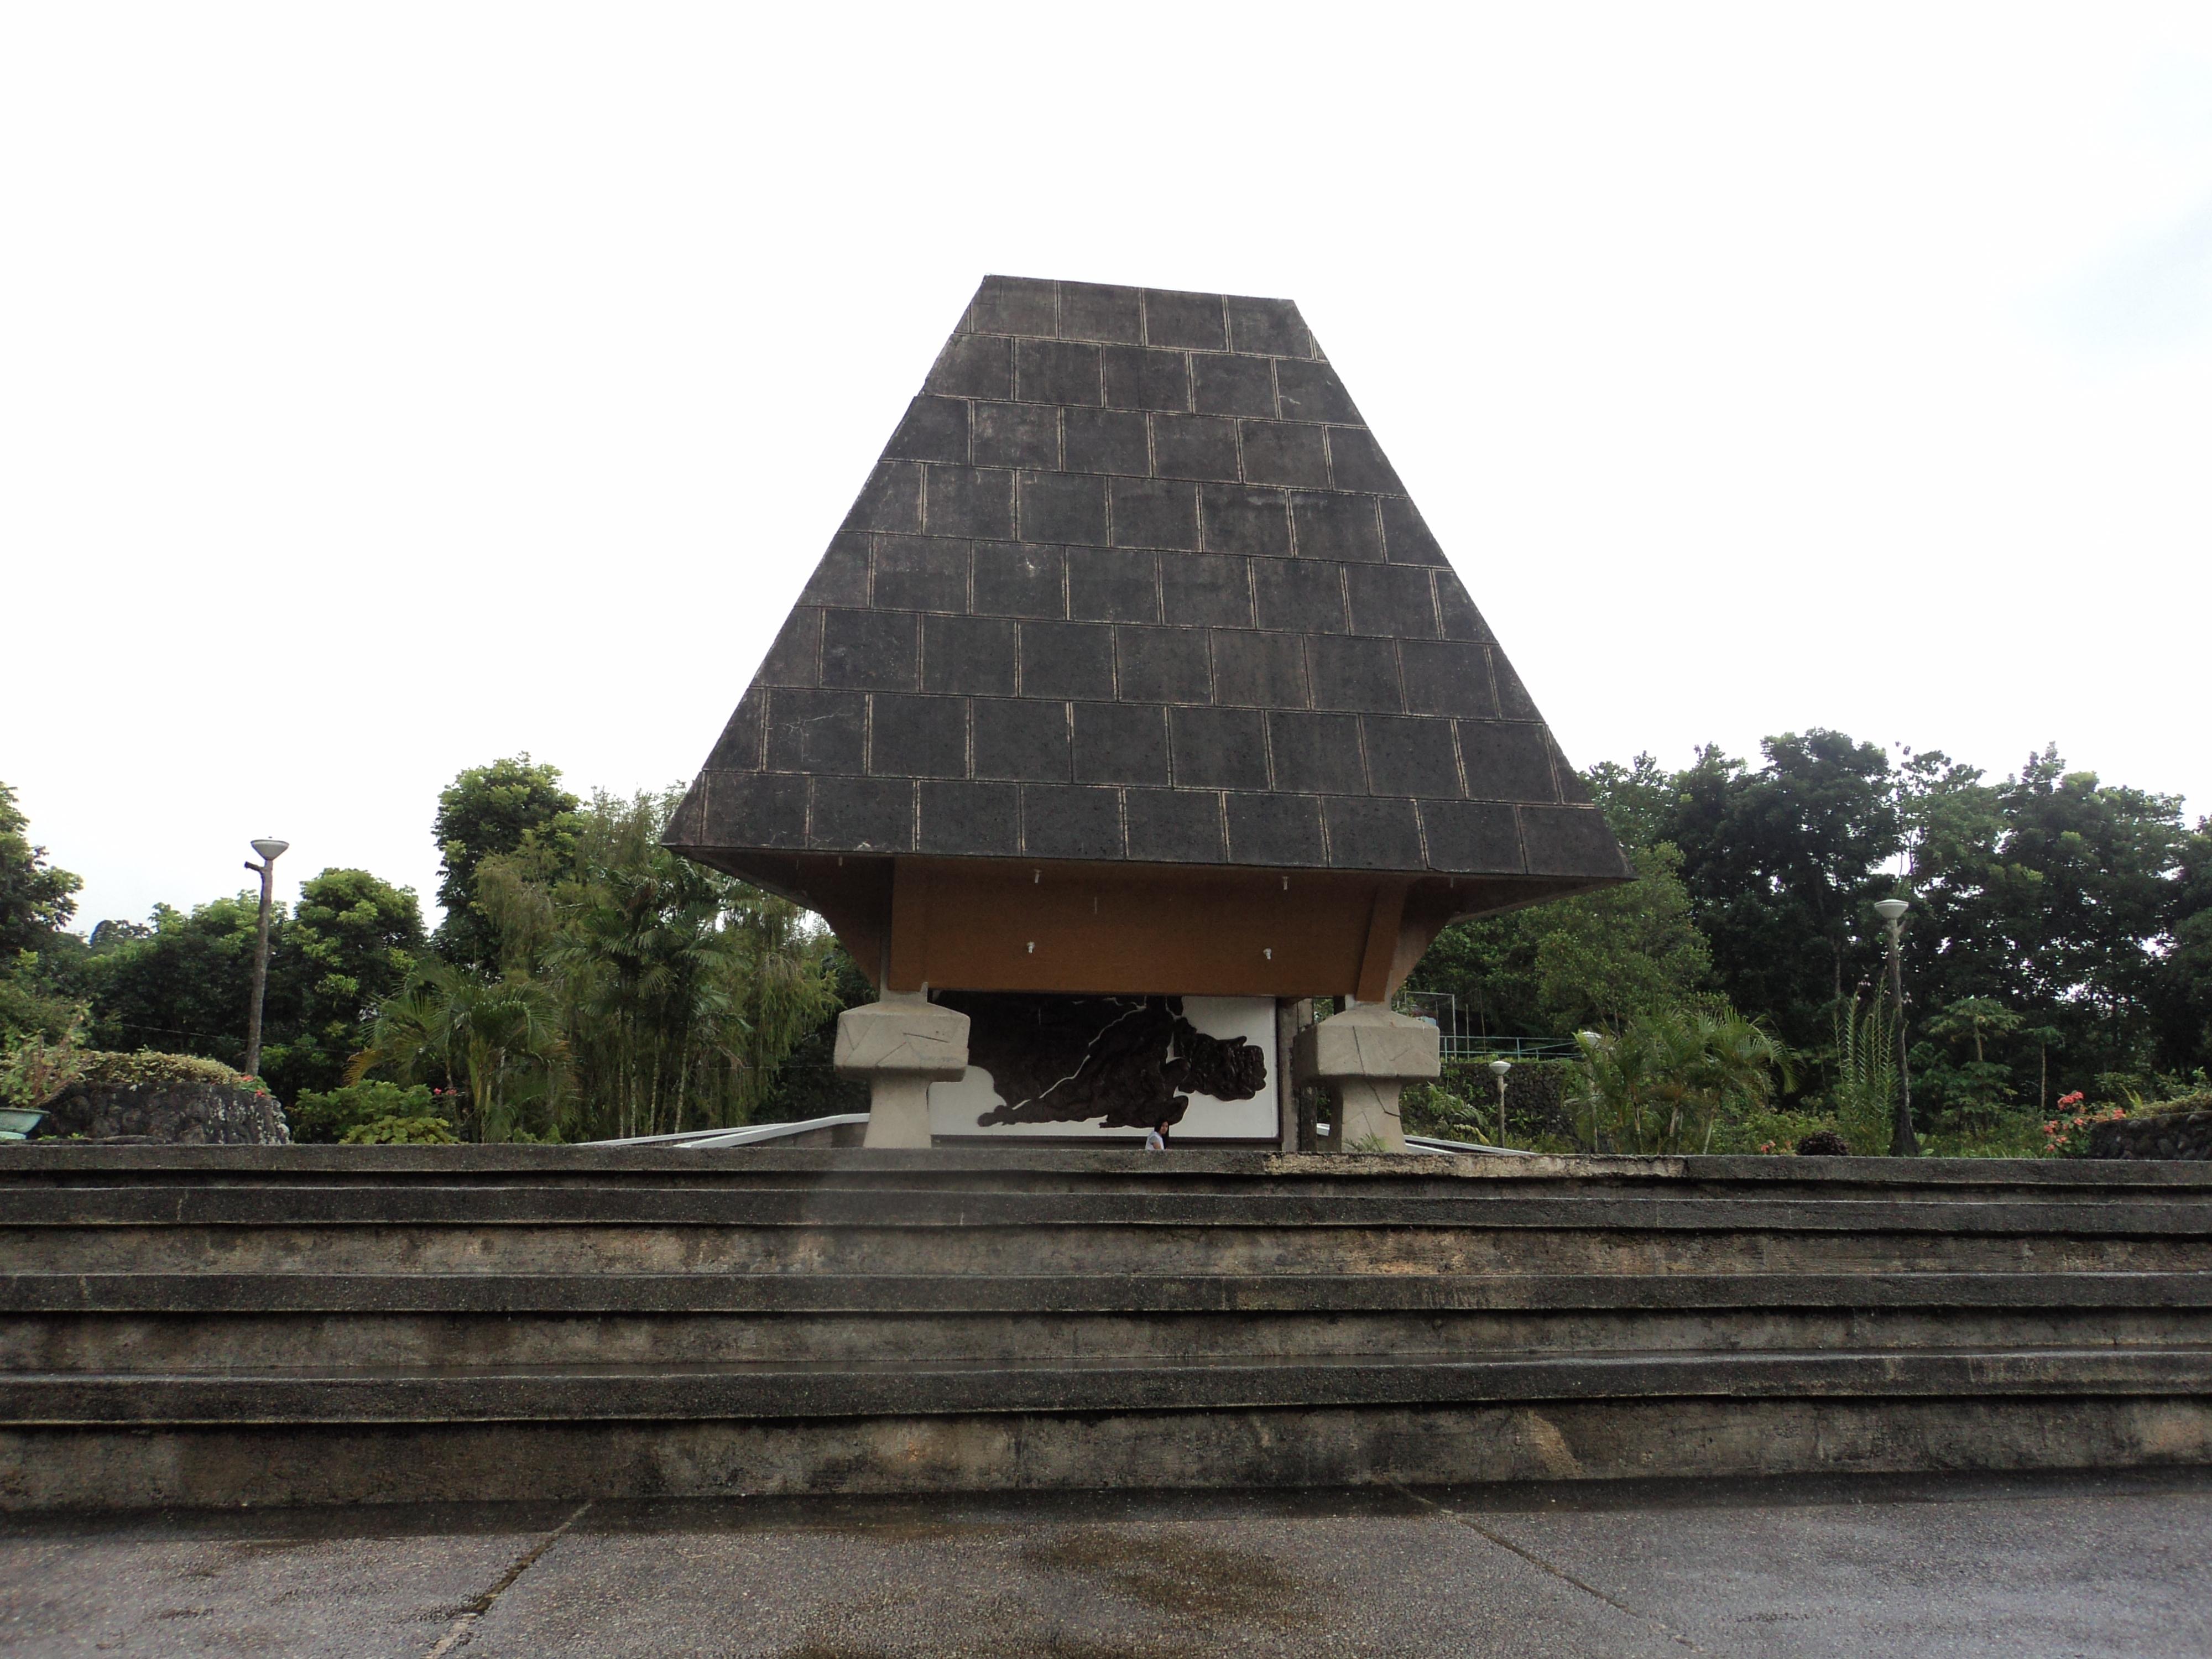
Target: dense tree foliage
x: 2060, y: 937
x: 493, y: 811
x: 632, y: 992
x: 586, y: 982
x: 182, y: 981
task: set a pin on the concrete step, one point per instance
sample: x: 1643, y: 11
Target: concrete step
x: 132, y: 1324
x: 901, y: 1389
x: 224, y: 1325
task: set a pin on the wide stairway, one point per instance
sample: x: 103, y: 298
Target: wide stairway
x: 227, y: 1326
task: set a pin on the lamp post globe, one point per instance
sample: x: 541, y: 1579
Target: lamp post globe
x: 1891, y: 910
x: 270, y: 849
x: 1498, y: 1068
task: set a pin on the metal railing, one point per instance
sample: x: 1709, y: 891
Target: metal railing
x: 1466, y: 1045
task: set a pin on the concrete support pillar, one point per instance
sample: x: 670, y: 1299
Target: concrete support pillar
x: 1364, y: 1055
x: 902, y: 1045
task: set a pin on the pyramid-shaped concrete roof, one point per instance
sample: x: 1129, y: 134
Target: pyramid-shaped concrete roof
x: 1133, y: 581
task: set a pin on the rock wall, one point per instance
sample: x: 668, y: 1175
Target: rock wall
x: 180, y: 1114
x: 2155, y: 1135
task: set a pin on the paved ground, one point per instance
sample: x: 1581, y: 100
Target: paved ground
x: 2026, y: 1569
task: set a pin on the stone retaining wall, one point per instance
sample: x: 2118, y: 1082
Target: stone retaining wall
x: 179, y: 1114
x: 2155, y: 1135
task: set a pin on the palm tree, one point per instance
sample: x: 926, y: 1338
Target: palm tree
x: 502, y: 1037
x: 1669, y: 1077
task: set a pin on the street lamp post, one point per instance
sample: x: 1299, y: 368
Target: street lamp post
x: 1498, y: 1068
x: 266, y: 869
x: 1903, y: 1143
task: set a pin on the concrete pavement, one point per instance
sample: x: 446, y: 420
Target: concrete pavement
x: 2082, y: 1565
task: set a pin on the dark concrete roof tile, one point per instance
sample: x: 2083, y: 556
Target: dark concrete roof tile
x: 1446, y: 677
x: 1162, y: 665
x: 1315, y: 754
x: 1194, y: 320
x: 861, y: 815
x: 1194, y: 446
x: 973, y: 366
x: 1409, y: 755
x: 1475, y: 837
x: 891, y: 500
x: 967, y: 656
x: 1391, y: 598
x: 1012, y: 305
x: 1371, y: 833
x: 1140, y: 377
x: 756, y: 809
x: 1329, y: 524
x: 1259, y: 671
x: 1154, y: 513
x: 1455, y: 611
x: 1068, y: 660
x: 1306, y: 594
x: 841, y: 578
x: 1569, y: 841
x: 1107, y: 440
x: 1093, y: 311
x: 1284, y: 452
x: 934, y: 429
x: 968, y: 500
x: 739, y: 748
x: 1238, y: 519
x: 870, y: 650
x: 1064, y: 372
x: 920, y: 573
x: 795, y: 656
x: 970, y: 819
x: 1507, y: 760
x: 1356, y: 461
x: 1023, y: 740
x: 1274, y: 830
x: 917, y: 736
x: 818, y: 730
x: 1219, y: 747
x: 1270, y: 327
x: 1020, y: 579
x: 1075, y: 821
x: 1205, y: 589
x: 1013, y: 434
x: 1311, y: 391
x: 1063, y: 507
x: 1113, y: 584
x: 1120, y: 743
x: 1222, y: 384
x: 1349, y: 671
x: 1174, y: 826
x: 1405, y: 536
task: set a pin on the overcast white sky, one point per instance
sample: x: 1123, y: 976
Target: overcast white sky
x: 384, y: 390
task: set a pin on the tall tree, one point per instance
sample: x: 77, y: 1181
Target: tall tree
x: 1783, y: 866
x: 355, y: 939
x: 36, y: 899
x: 491, y: 811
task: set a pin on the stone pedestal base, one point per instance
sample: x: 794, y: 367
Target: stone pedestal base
x: 1365, y: 1055
x: 902, y: 1045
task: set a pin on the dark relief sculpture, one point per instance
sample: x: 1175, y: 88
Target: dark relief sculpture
x: 1130, y: 1061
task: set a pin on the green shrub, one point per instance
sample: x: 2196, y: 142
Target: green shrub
x: 147, y: 1070
x: 322, y: 1119
x: 2196, y: 1100
x: 403, y: 1132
